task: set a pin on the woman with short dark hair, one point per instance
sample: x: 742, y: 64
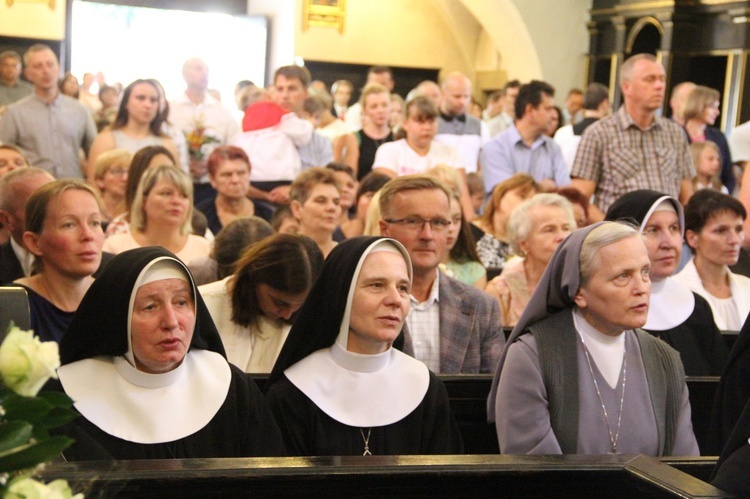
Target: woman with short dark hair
x: 229, y: 172
x: 714, y: 232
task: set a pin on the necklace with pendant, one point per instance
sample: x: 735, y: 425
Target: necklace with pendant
x: 366, y: 440
x: 616, y: 437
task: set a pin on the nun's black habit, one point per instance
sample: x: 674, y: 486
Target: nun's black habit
x: 544, y: 399
x: 676, y: 315
x: 329, y: 401
x: 731, y: 472
x: 732, y: 394
x: 203, y: 408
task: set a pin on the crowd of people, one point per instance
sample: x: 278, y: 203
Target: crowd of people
x: 356, y: 250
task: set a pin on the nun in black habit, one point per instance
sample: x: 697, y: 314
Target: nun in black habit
x: 731, y: 471
x: 676, y: 315
x: 146, y: 369
x: 338, y: 387
x: 732, y: 394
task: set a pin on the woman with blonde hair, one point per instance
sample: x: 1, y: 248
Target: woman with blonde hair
x: 161, y: 215
x: 701, y: 112
x: 707, y: 161
x: 64, y: 232
x: 357, y: 149
x: 111, y: 177
x: 368, y: 188
x: 372, y: 219
x: 11, y: 157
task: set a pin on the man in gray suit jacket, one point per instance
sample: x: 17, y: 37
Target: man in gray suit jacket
x: 452, y: 327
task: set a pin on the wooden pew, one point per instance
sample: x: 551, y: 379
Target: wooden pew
x: 468, y: 398
x: 384, y: 476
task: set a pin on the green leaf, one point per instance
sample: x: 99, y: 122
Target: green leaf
x: 14, y: 434
x: 58, y: 416
x: 29, y: 455
x: 57, y: 399
x: 29, y: 409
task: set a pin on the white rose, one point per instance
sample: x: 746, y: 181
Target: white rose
x: 31, y: 489
x: 26, y: 363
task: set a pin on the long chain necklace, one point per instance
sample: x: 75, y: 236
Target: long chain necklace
x: 366, y: 440
x: 613, y: 439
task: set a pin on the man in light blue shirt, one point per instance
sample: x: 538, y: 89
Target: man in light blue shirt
x: 524, y: 148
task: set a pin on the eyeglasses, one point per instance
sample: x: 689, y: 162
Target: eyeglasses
x: 417, y: 223
x: 117, y: 172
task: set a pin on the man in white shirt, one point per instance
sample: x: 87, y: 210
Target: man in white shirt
x: 504, y: 120
x: 595, y: 106
x: 492, y: 116
x: 456, y: 127
x: 197, y: 112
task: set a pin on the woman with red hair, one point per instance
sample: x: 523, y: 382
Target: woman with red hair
x: 229, y: 172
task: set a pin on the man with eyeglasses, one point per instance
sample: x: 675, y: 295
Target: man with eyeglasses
x: 452, y: 327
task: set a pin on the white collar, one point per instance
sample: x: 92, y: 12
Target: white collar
x: 25, y: 257
x: 606, y: 351
x: 670, y: 305
x: 208, y: 100
x: 148, y: 408
x: 361, y: 390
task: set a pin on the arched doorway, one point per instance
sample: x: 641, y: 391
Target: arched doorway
x: 644, y: 37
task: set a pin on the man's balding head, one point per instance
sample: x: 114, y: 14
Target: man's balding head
x: 456, y: 94
x: 16, y: 187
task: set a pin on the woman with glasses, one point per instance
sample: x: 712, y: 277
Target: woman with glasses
x: 111, y: 177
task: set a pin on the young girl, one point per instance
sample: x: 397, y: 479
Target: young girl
x: 707, y: 161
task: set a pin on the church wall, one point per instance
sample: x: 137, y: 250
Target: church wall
x: 560, y: 37
x: 36, y: 19
x: 408, y: 33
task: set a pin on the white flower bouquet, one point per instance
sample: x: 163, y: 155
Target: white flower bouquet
x: 26, y: 416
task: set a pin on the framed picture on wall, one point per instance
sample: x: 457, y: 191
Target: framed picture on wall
x: 324, y: 14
